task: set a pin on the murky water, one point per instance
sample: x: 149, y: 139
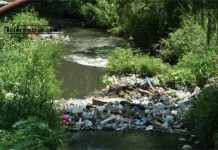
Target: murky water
x: 85, y: 59
x: 112, y: 140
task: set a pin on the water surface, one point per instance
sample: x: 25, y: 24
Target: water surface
x: 134, y: 140
x: 83, y: 62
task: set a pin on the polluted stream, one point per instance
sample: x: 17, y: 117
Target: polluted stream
x: 81, y: 68
x: 85, y: 59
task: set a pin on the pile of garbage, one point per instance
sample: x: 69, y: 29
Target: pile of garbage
x: 143, y: 105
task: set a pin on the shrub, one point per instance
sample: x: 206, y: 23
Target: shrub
x: 36, y: 134
x: 149, y: 66
x: 28, y: 72
x: 23, y: 20
x: 7, y: 139
x: 202, y: 66
x: 31, y: 133
x: 189, y: 38
x: 103, y: 12
x: 121, y: 61
x: 181, y: 76
x: 105, y: 80
x: 203, y: 115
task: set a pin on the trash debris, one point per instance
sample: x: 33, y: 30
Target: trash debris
x: 130, y: 103
x: 149, y: 128
x: 108, y: 120
x: 66, y: 117
x: 75, y: 109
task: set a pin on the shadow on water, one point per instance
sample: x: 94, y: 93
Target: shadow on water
x: 134, y: 140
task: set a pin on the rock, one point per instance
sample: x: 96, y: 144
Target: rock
x: 196, y: 142
x: 185, y: 147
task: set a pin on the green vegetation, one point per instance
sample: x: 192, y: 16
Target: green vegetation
x: 187, y: 31
x: 31, y: 18
x: 189, y: 38
x: 28, y: 118
x: 105, y: 13
x: 203, y: 116
x: 32, y: 133
x: 122, y: 61
x: 105, y: 80
x: 137, y: 18
x: 202, y: 66
x: 192, y: 69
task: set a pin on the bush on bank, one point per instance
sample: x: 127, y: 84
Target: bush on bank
x: 203, y: 116
x: 28, y: 118
x: 31, y: 133
x: 191, y: 37
x: 123, y: 61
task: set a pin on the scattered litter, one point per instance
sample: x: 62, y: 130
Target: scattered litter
x: 130, y: 103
